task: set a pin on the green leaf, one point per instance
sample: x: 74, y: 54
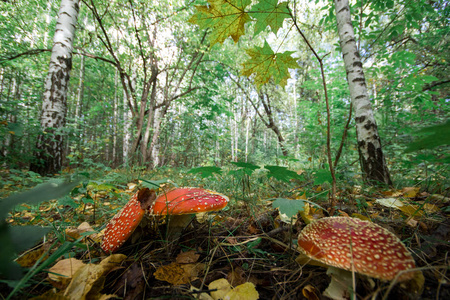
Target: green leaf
x: 42, y: 192
x: 288, y: 207
x: 153, y: 184
x: 322, y: 176
x: 246, y: 167
x: 435, y: 136
x: 269, y: 13
x: 25, y: 237
x: 266, y: 64
x: 224, y: 17
x: 206, y: 171
x: 281, y: 173
x: 428, y: 78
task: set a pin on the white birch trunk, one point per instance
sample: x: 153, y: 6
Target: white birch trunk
x: 127, y: 117
x: 371, y: 156
x: 49, y: 155
x: 127, y: 121
x: 115, y: 116
x: 247, y: 129
x: 80, y: 92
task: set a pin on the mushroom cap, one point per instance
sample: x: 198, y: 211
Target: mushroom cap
x: 122, y: 225
x: 188, y: 200
x: 342, y: 242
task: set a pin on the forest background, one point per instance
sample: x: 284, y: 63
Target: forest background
x: 146, y: 90
x: 159, y: 94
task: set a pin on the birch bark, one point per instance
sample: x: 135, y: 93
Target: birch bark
x: 49, y: 154
x: 373, y: 164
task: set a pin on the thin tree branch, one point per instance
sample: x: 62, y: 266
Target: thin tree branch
x: 26, y: 53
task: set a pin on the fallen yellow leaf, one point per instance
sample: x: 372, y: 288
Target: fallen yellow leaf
x: 29, y: 259
x: 89, y: 279
x: 245, y: 291
x: 410, y: 192
x: 411, y: 210
x: 222, y: 287
x: 310, y: 292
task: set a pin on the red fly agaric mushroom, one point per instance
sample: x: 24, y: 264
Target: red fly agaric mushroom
x: 188, y: 200
x: 122, y: 225
x: 181, y: 203
x: 355, y: 245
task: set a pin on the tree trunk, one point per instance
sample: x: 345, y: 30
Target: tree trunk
x: 129, y: 86
x: 271, y: 122
x: 373, y: 164
x: 49, y: 154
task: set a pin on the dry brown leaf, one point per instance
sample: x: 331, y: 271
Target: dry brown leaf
x: 236, y: 276
x: 343, y: 213
x: 411, y: 223
x: 302, y: 197
x: 311, y: 213
x: 131, y: 282
x: 361, y: 217
x: 177, y: 274
x: 30, y: 258
x: 310, y: 292
x: 75, y: 233
x: 430, y: 208
x: 201, y: 217
x: 392, y: 193
x: 51, y: 294
x: 89, y: 279
x: 62, y: 272
x: 187, y: 257
x: 439, y: 198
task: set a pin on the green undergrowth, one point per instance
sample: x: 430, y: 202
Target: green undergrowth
x: 264, y: 199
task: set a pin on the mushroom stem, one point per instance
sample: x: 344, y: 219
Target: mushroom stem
x: 341, y: 286
x: 176, y: 224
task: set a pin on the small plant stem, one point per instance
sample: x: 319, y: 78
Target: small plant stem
x: 324, y: 83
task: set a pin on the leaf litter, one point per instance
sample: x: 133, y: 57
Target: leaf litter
x: 237, y: 255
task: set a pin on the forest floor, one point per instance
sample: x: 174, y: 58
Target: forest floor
x: 249, y: 244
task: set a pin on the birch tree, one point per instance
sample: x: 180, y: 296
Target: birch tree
x: 373, y: 164
x: 49, y: 154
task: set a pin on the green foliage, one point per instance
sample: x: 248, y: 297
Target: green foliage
x: 227, y: 18
x: 434, y: 136
x: 17, y: 239
x: 282, y: 173
x: 224, y: 17
x: 247, y: 168
x: 43, y: 192
x: 154, y: 184
x: 269, y: 13
x: 322, y: 176
x: 266, y: 64
x: 206, y: 171
x: 42, y: 264
x: 288, y: 207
